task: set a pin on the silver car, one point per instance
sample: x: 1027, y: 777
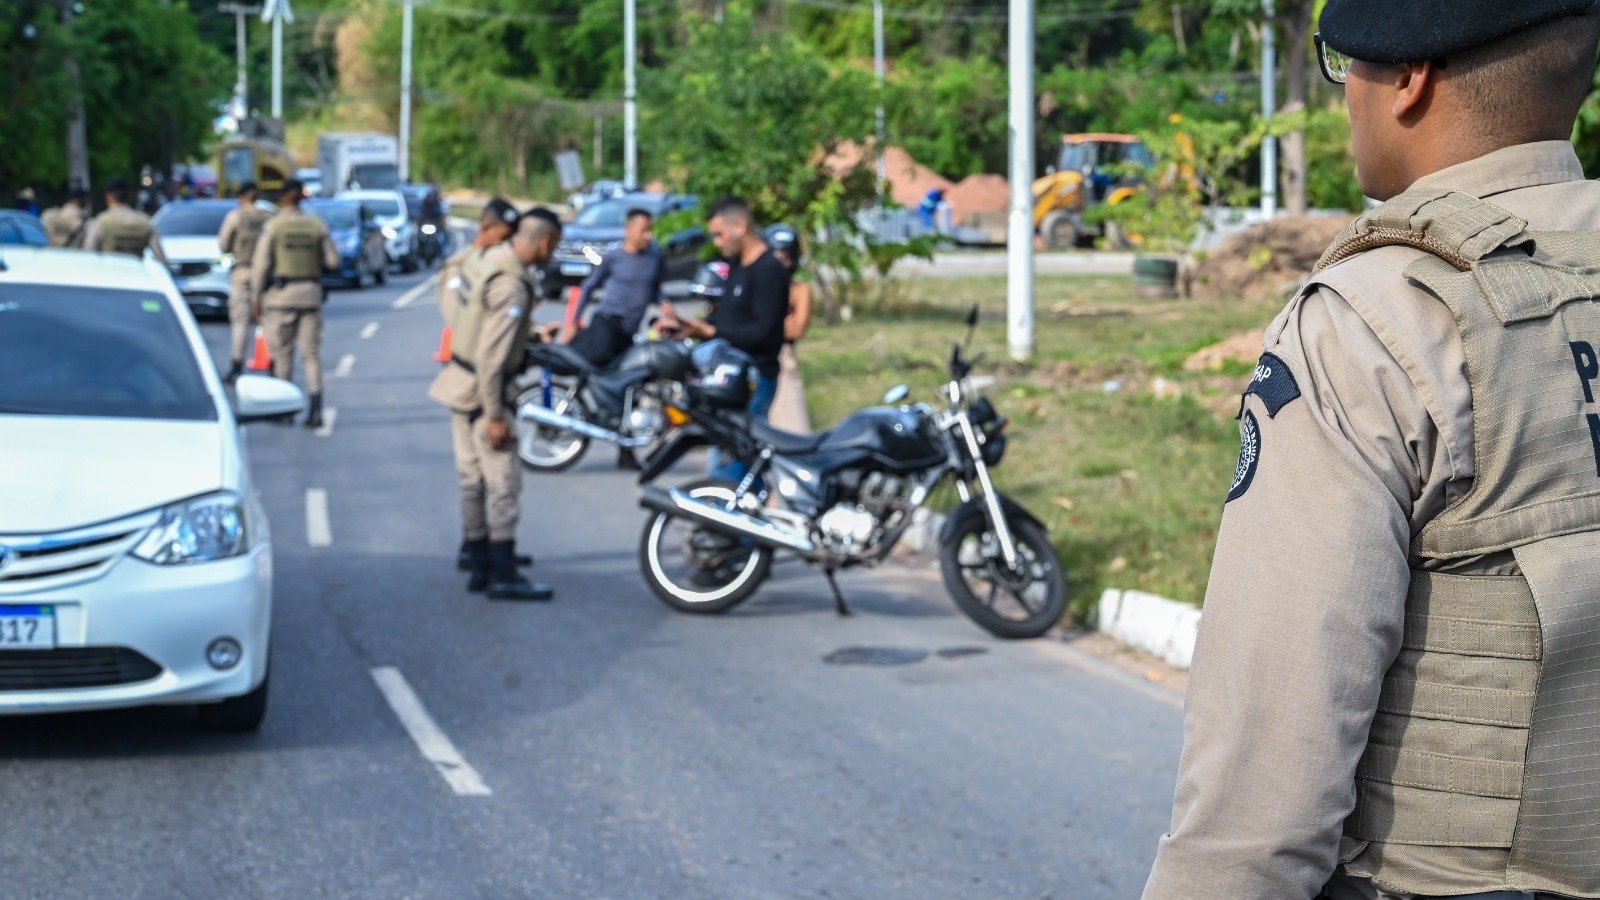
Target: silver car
x: 188, y: 232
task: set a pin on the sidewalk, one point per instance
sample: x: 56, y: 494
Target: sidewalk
x: 789, y: 407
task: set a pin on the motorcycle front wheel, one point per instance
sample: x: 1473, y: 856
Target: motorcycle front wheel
x: 544, y: 448
x: 1021, y: 602
x: 695, y: 569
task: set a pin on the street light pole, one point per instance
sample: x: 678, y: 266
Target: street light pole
x: 1019, y: 230
x: 877, y: 68
x: 277, y: 12
x: 239, y: 12
x: 405, y: 92
x: 1269, y: 107
x: 630, y: 108
x: 77, y: 125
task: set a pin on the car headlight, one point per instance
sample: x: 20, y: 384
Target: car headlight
x: 592, y: 255
x: 223, y: 263
x: 390, y: 233
x: 429, y: 228
x: 201, y: 530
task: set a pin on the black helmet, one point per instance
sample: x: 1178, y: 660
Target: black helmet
x: 722, y: 375
x: 710, y: 281
x: 785, y: 239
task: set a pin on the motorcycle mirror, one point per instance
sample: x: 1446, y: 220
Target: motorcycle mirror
x: 972, y: 316
x: 896, y: 394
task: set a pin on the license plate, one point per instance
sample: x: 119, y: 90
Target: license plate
x: 27, y: 627
x: 575, y: 268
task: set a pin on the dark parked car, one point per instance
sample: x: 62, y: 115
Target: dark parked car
x: 598, y: 228
x: 18, y: 227
x: 359, y: 239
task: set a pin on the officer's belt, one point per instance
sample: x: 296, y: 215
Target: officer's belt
x: 284, y: 282
x: 464, y: 364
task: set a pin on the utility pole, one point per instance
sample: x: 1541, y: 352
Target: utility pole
x: 405, y: 91
x: 877, y: 68
x: 630, y: 108
x: 1019, y: 230
x: 242, y: 83
x: 277, y: 12
x: 77, y: 126
x: 1269, y: 107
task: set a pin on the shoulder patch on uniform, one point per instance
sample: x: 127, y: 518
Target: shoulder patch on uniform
x: 1249, y: 456
x: 1273, y: 383
x: 514, y: 311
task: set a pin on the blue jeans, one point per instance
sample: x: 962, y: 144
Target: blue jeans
x: 733, y: 470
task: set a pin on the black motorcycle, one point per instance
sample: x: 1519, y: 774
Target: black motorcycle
x: 433, y: 243
x: 844, y: 498
x: 626, y: 403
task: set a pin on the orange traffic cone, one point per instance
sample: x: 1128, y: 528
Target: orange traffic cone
x: 260, y: 361
x: 443, y: 353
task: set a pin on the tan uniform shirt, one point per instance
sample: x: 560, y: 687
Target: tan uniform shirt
x: 228, y: 236
x: 65, y: 224
x: 507, y: 302
x: 1306, y: 604
x: 295, y: 295
x: 92, y: 237
x: 450, y: 287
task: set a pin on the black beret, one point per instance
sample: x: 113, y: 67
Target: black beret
x: 1384, y: 31
x: 502, y: 210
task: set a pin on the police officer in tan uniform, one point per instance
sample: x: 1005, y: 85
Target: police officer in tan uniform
x: 286, y: 283
x: 241, y: 231
x: 65, y: 223
x: 1396, y: 689
x: 478, y: 385
x: 495, y: 226
x: 121, y: 228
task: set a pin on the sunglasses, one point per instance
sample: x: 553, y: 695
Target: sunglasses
x: 1336, y: 65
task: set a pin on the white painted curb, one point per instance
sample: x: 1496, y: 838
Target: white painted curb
x: 1164, y: 628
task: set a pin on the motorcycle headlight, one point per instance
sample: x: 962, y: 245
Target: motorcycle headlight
x: 201, y: 530
x: 390, y: 233
x: 429, y: 228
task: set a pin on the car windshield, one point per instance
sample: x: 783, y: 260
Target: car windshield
x: 338, y: 216
x: 414, y: 200
x: 74, y: 351
x: 611, y: 213
x: 182, y: 219
x: 383, y: 209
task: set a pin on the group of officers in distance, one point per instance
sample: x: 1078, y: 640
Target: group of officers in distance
x: 487, y: 293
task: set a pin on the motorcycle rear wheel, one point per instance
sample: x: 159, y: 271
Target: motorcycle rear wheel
x: 543, y: 448
x: 704, y: 591
x: 1007, y: 604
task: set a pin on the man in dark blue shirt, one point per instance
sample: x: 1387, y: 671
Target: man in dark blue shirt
x: 631, y: 276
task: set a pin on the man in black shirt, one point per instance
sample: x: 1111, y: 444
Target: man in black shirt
x: 753, y: 306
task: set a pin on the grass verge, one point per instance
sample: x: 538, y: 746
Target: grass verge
x: 1123, y: 454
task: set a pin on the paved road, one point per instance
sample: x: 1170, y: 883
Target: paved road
x: 607, y: 747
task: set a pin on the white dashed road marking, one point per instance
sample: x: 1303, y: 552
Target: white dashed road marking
x: 318, y: 532
x: 328, y: 415
x: 410, y: 297
x: 368, y: 330
x: 425, y: 733
x: 347, y: 364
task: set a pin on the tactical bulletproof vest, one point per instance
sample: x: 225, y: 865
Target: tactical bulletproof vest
x: 1488, y: 725
x: 479, y: 271
x: 247, y: 233
x: 125, y: 231
x: 297, y: 248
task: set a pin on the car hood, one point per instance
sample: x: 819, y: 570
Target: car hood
x: 590, y: 235
x: 190, y: 247
x: 58, y: 473
x: 343, y: 236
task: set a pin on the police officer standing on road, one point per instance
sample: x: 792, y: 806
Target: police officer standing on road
x: 241, y: 231
x: 293, y: 251
x: 1396, y: 690
x: 478, y: 385
x: 495, y: 226
x: 65, y: 223
x: 121, y: 228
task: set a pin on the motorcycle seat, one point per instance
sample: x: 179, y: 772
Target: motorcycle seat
x: 561, y: 359
x: 786, y: 442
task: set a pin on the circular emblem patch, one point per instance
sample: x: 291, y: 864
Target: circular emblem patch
x: 1249, y: 455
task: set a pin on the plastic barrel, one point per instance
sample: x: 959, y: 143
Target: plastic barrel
x: 1155, y: 276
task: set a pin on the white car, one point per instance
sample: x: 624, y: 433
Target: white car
x: 188, y: 230
x: 135, y: 557
x: 400, y: 238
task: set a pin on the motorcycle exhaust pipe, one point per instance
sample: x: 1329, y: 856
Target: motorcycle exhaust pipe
x: 544, y: 415
x: 675, y: 502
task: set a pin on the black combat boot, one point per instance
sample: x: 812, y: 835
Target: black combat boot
x: 314, y: 412
x: 477, y: 554
x: 464, y: 559
x: 234, y: 372
x: 505, y: 582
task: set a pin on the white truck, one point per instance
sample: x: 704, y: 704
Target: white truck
x: 358, y: 160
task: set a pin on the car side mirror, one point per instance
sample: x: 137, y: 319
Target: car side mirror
x: 261, y: 398
x: 896, y: 394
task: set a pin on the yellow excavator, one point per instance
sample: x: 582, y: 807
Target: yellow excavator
x: 1093, y: 169
x: 256, y: 153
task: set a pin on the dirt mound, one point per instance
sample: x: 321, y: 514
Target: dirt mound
x: 1241, y: 348
x: 1266, y: 261
x: 909, y: 180
x: 978, y: 194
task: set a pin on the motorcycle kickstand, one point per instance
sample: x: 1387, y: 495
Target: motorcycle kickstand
x: 839, y: 605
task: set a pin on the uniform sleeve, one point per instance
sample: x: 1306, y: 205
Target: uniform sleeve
x: 155, y: 246
x: 261, y: 264
x: 505, y: 303
x: 230, y: 228
x: 448, y: 285
x: 91, y: 235
x: 1303, y: 614
x: 330, y: 253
